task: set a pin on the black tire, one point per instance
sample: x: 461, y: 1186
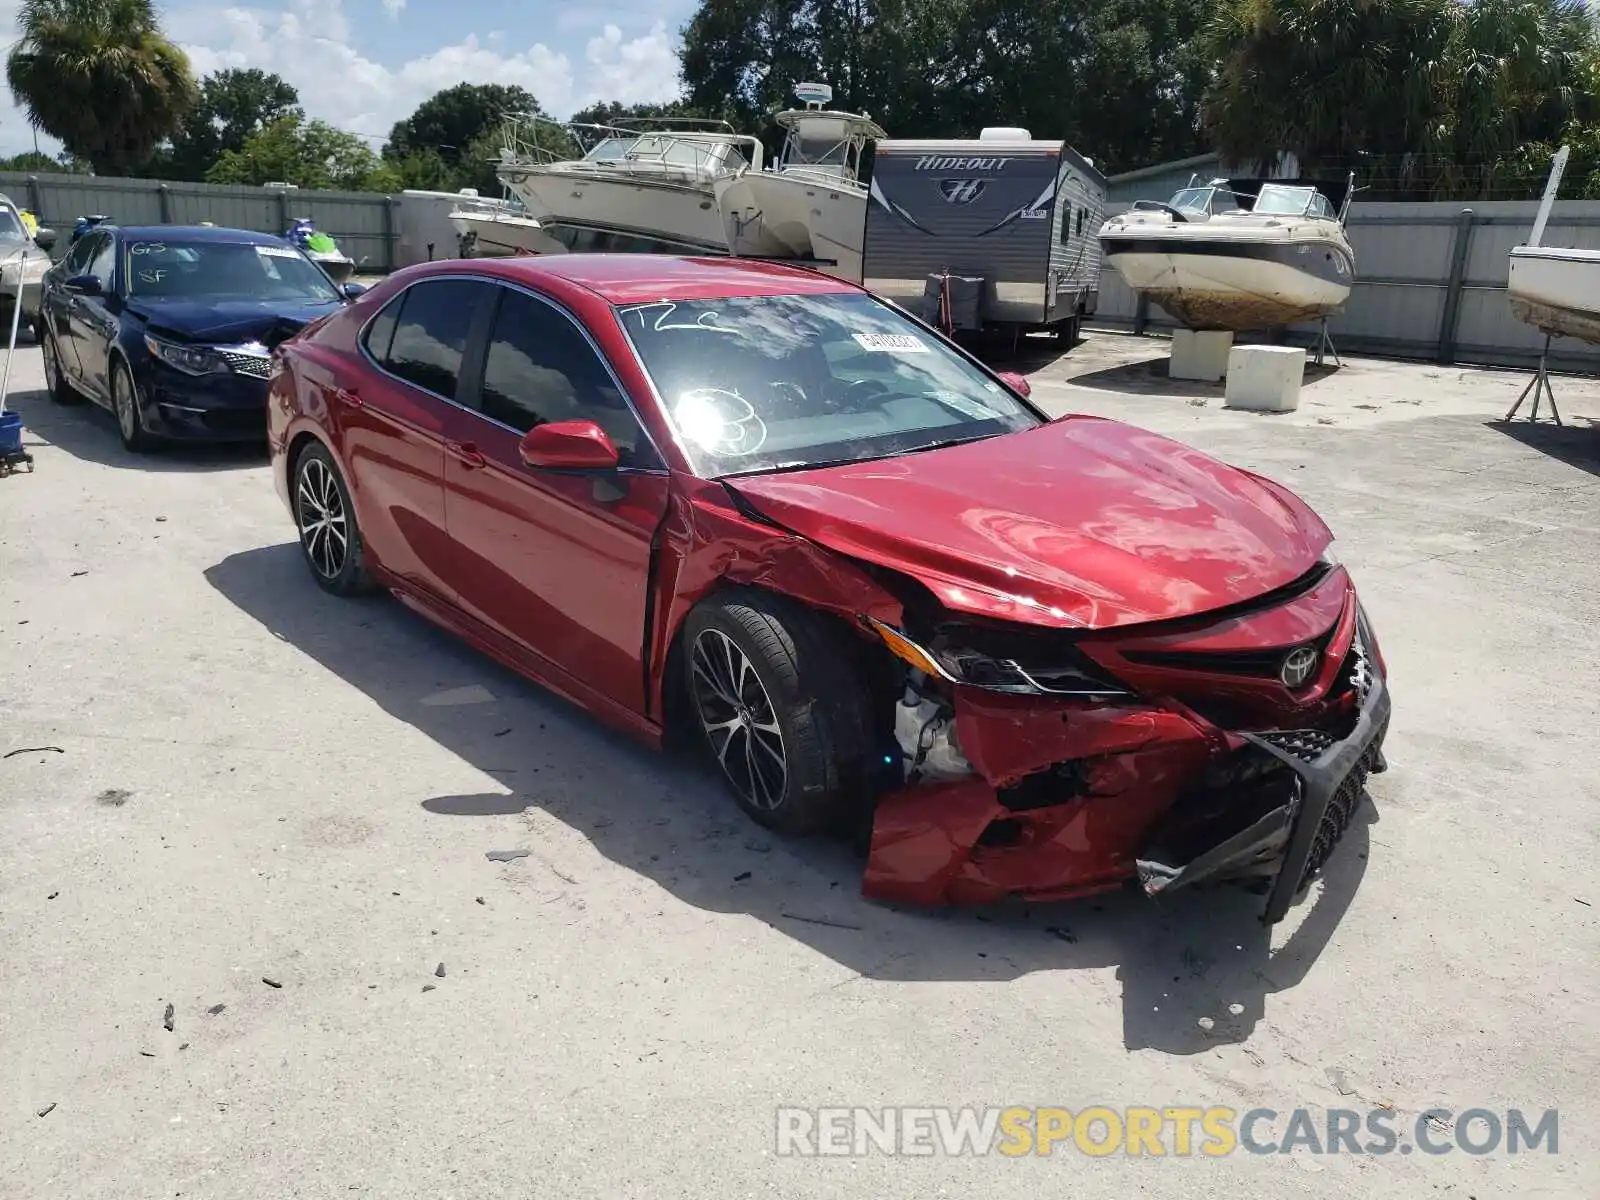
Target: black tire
x: 126, y: 409
x: 809, y: 693
x: 323, y: 513
x: 55, y: 379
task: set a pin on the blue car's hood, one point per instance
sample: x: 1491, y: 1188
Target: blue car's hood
x: 214, y: 319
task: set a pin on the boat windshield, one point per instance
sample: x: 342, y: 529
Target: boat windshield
x: 766, y: 383
x: 1205, y: 200
x: 1282, y: 200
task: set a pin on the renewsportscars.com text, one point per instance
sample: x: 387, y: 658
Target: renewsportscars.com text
x: 1100, y: 1130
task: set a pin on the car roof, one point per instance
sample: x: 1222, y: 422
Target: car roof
x: 638, y: 278
x: 194, y: 233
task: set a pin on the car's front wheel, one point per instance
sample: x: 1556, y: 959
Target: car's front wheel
x: 125, y: 405
x: 786, y: 718
x: 55, y: 379
x: 330, y: 539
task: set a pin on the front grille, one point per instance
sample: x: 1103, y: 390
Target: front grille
x: 1263, y: 664
x: 254, y: 365
x: 1307, y: 745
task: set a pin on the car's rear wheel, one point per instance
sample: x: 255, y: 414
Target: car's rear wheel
x: 55, y: 379
x: 125, y: 406
x: 330, y: 539
x: 787, y: 720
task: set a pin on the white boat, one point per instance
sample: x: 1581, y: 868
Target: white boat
x: 811, y: 207
x: 655, y: 184
x: 1225, y: 259
x: 499, y: 229
x: 1555, y: 289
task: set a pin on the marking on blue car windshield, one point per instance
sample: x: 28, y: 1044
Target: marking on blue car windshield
x: 277, y: 252
x: 155, y: 276
x: 148, y: 248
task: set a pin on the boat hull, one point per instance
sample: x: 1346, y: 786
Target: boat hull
x: 773, y: 214
x: 338, y: 267
x: 492, y: 235
x: 669, y: 209
x: 1557, y: 291
x: 1234, y: 283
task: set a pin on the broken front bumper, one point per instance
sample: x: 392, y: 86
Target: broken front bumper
x: 1282, y: 825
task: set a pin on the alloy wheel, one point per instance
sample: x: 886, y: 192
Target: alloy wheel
x: 122, y: 402
x: 739, y: 720
x: 324, y: 526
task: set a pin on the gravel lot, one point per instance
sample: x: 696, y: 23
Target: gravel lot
x: 258, y: 782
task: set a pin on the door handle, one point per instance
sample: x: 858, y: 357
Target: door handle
x: 346, y: 396
x: 468, y: 454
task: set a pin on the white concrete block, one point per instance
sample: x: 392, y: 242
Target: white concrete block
x: 1201, y: 355
x: 1265, y: 378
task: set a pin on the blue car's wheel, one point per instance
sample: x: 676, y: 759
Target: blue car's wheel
x: 125, y: 404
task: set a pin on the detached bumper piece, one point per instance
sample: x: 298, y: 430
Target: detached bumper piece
x: 1275, y: 811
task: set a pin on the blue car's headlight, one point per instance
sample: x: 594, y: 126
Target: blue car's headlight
x: 192, y: 360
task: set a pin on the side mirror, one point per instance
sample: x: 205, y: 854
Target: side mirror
x: 1016, y: 383
x: 45, y: 239
x: 352, y: 290
x: 568, y: 446
x: 85, y: 285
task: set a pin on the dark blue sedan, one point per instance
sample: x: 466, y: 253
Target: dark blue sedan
x: 172, y: 327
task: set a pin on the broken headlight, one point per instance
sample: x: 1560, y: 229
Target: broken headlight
x: 1061, y: 670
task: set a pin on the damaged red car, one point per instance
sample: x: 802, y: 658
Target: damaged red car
x: 1040, y: 657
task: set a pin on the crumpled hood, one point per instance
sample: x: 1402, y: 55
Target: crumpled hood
x: 1081, y: 523
x: 224, y: 321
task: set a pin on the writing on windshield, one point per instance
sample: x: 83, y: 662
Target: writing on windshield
x: 778, y: 382
x: 158, y: 268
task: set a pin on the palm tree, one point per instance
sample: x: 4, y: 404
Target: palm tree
x: 100, y: 76
x: 1325, y: 79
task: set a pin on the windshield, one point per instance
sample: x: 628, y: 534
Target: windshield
x: 11, y: 227
x: 772, y: 382
x: 265, y: 272
x: 1284, y: 201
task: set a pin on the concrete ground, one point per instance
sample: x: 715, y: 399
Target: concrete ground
x: 252, y: 781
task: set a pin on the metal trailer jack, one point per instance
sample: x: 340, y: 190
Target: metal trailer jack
x: 12, y: 456
x: 1539, y: 385
x: 1325, y: 346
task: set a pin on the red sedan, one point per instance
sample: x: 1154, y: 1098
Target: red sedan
x: 1041, y: 657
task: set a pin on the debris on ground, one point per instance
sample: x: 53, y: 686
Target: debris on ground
x: 46, y: 1110
x: 503, y: 856
x: 183, y: 1045
x: 53, y: 895
x: 474, y: 693
x: 480, y: 900
x: 167, y: 1018
x: 216, y: 1008
x: 439, y: 970
x: 114, y: 797
x: 428, y: 987
x: 828, y: 921
x: 76, y: 574
x: 147, y: 1054
x: 757, y: 845
x: 159, y: 519
x: 502, y: 732
x: 1066, y: 935
x: 271, y: 983
x: 1341, y: 1085
x: 33, y: 750
x: 741, y: 876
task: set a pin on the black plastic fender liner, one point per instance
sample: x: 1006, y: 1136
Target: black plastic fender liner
x: 1254, y: 850
x: 1322, y: 777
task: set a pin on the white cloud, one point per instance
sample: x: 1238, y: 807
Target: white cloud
x: 310, y: 43
x: 393, y: 7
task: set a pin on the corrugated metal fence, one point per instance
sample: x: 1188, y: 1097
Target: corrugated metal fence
x: 363, y: 223
x: 1430, y: 283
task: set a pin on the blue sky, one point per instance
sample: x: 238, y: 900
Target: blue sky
x: 364, y: 64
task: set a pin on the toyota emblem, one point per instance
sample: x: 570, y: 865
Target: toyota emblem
x: 1297, y: 667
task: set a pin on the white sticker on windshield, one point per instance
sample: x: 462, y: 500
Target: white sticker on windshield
x: 965, y: 405
x: 277, y: 252
x: 892, y: 343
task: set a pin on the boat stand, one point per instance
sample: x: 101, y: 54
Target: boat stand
x: 1540, y: 383
x: 1325, y: 346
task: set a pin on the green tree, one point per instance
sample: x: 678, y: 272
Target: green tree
x: 31, y: 160
x: 101, y: 77
x: 309, y: 154
x: 234, y: 105
x: 447, y: 122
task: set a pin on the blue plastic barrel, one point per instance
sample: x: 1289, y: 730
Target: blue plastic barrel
x: 10, y: 433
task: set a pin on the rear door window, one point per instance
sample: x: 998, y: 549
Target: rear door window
x: 431, y: 332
